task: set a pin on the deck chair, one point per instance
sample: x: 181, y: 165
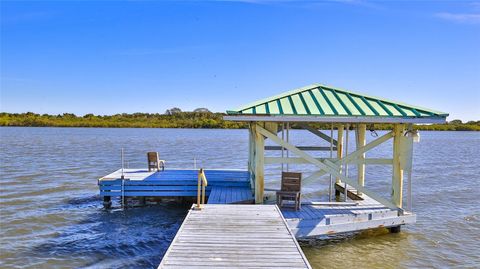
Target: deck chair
x: 291, y: 188
x: 154, y: 162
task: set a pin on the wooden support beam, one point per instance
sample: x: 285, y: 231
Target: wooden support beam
x: 290, y: 160
x: 397, y: 175
x: 297, y: 160
x: 259, y: 164
x: 407, y: 160
x: 354, y: 155
x: 271, y: 126
x: 361, y: 141
x: 330, y: 167
x: 251, y: 153
x: 301, y: 147
x: 341, y: 189
x: 318, y: 133
x: 339, y: 147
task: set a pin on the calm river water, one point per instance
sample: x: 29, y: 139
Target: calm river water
x: 51, y: 214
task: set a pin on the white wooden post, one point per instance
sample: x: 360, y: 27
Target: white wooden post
x: 339, y: 147
x: 361, y: 142
x: 330, y: 188
x: 259, y: 160
x: 251, y: 153
x: 347, y: 135
x: 407, y: 160
x: 397, y: 175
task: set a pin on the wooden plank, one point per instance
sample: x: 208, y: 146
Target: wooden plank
x: 296, y: 160
x: 220, y: 236
x: 397, y: 175
x: 351, y: 193
x: 361, y: 142
x: 352, y: 226
x: 259, y: 164
x: 339, y: 151
x: 310, y: 148
x: 318, y: 133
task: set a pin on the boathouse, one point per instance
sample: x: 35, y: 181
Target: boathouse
x: 343, y: 111
x: 336, y: 118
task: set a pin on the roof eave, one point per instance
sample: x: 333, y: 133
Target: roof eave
x: 281, y: 95
x: 339, y: 119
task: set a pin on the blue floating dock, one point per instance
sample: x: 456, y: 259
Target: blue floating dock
x: 225, y: 186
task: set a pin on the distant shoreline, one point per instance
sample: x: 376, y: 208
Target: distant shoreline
x: 187, y: 128
x: 186, y: 120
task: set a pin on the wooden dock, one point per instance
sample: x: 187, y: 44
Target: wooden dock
x: 324, y: 218
x: 234, y: 236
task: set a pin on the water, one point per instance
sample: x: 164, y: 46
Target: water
x: 52, y: 216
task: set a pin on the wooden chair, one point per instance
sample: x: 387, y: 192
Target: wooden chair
x: 291, y: 189
x: 154, y: 162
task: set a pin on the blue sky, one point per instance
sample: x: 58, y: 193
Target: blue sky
x: 111, y: 57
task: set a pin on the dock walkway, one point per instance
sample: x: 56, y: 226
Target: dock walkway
x: 234, y: 236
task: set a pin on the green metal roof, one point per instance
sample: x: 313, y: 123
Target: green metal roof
x: 322, y: 101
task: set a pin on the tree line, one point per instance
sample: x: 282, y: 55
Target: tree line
x: 176, y: 118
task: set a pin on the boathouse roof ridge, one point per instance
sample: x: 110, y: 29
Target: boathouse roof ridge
x: 322, y: 103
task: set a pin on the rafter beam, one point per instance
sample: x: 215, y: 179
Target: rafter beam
x: 318, y: 133
x: 300, y: 147
x: 296, y: 160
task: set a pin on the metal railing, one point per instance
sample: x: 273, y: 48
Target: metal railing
x: 202, y: 183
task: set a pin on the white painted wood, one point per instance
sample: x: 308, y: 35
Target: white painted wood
x: 131, y: 174
x: 330, y: 183
x: 347, y: 136
x: 250, y: 151
x: 311, y: 148
x: 271, y: 126
x: 407, y: 163
x: 291, y: 160
x: 296, y: 160
x: 339, y: 147
x: 361, y: 142
x: 353, y: 226
x: 319, y: 133
x: 397, y: 175
x: 259, y: 164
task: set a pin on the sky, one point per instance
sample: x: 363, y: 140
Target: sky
x: 108, y: 57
